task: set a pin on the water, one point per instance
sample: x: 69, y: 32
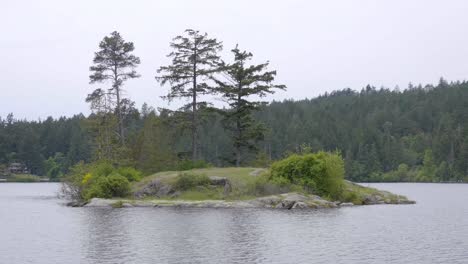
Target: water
x: 35, y: 227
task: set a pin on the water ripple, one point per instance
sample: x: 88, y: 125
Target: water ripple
x: 36, y: 228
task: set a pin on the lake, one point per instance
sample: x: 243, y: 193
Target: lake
x: 35, y: 227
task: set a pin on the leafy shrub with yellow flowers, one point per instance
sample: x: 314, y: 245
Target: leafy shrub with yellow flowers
x: 100, y: 179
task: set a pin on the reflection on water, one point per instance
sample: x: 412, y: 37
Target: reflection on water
x: 36, y: 228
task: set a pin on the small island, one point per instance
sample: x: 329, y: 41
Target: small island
x: 312, y: 180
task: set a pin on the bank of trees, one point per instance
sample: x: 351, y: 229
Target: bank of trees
x: 417, y: 134
x: 46, y: 147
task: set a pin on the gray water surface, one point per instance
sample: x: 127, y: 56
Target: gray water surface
x: 35, y: 227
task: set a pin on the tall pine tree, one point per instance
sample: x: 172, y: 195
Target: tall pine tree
x: 240, y: 83
x: 194, y: 60
x: 116, y: 63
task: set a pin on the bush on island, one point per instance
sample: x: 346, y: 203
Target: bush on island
x: 100, y: 180
x: 321, y: 173
x: 186, y: 181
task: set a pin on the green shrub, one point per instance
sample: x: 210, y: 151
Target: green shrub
x: 117, y: 185
x: 186, y: 181
x: 114, y: 185
x: 102, y: 180
x: 102, y: 169
x: 130, y: 173
x: 93, y: 191
x: 321, y: 173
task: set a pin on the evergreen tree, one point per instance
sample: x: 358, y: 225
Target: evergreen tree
x: 116, y: 63
x: 428, y: 171
x: 242, y: 82
x: 194, y: 60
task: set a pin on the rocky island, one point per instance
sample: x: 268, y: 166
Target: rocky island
x: 236, y: 188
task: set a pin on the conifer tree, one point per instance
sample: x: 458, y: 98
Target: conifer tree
x: 116, y: 63
x: 194, y: 60
x: 240, y: 83
x: 101, y: 124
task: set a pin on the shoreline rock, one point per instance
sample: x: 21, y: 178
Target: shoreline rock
x: 281, y: 201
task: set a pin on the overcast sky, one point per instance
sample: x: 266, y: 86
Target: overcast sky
x: 46, y: 47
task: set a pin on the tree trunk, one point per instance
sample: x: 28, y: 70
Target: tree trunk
x: 238, y: 128
x: 194, y: 108
x: 238, y: 156
x: 119, y: 116
x: 119, y: 112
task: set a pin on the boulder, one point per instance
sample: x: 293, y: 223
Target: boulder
x: 76, y: 203
x: 164, y: 190
x: 299, y: 205
x: 227, y: 188
x: 154, y: 188
x: 99, y: 202
x: 372, y: 199
x: 285, y: 204
x: 268, y: 201
x: 295, y: 197
x: 221, y: 181
x: 216, y: 180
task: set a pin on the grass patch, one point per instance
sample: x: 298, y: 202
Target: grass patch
x: 246, y: 183
x: 206, y: 194
x: 192, y: 185
x: 186, y: 181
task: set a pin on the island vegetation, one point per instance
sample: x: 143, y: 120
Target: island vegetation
x: 309, y: 180
x: 310, y: 146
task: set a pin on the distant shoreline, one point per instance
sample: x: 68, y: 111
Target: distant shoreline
x: 24, y: 178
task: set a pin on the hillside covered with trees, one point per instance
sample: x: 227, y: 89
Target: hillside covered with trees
x: 417, y: 134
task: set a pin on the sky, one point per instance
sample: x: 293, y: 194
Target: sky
x: 46, y: 47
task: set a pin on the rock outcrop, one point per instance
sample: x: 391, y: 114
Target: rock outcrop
x: 281, y: 201
x: 160, y: 194
x: 157, y: 189
x: 221, y: 181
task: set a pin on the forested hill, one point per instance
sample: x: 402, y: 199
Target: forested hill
x: 381, y: 130
x: 418, y: 134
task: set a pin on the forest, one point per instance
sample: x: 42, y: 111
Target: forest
x: 419, y: 133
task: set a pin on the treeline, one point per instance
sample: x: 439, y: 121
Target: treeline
x: 47, y: 147
x: 418, y: 134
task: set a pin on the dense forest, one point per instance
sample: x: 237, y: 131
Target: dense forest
x: 418, y: 134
